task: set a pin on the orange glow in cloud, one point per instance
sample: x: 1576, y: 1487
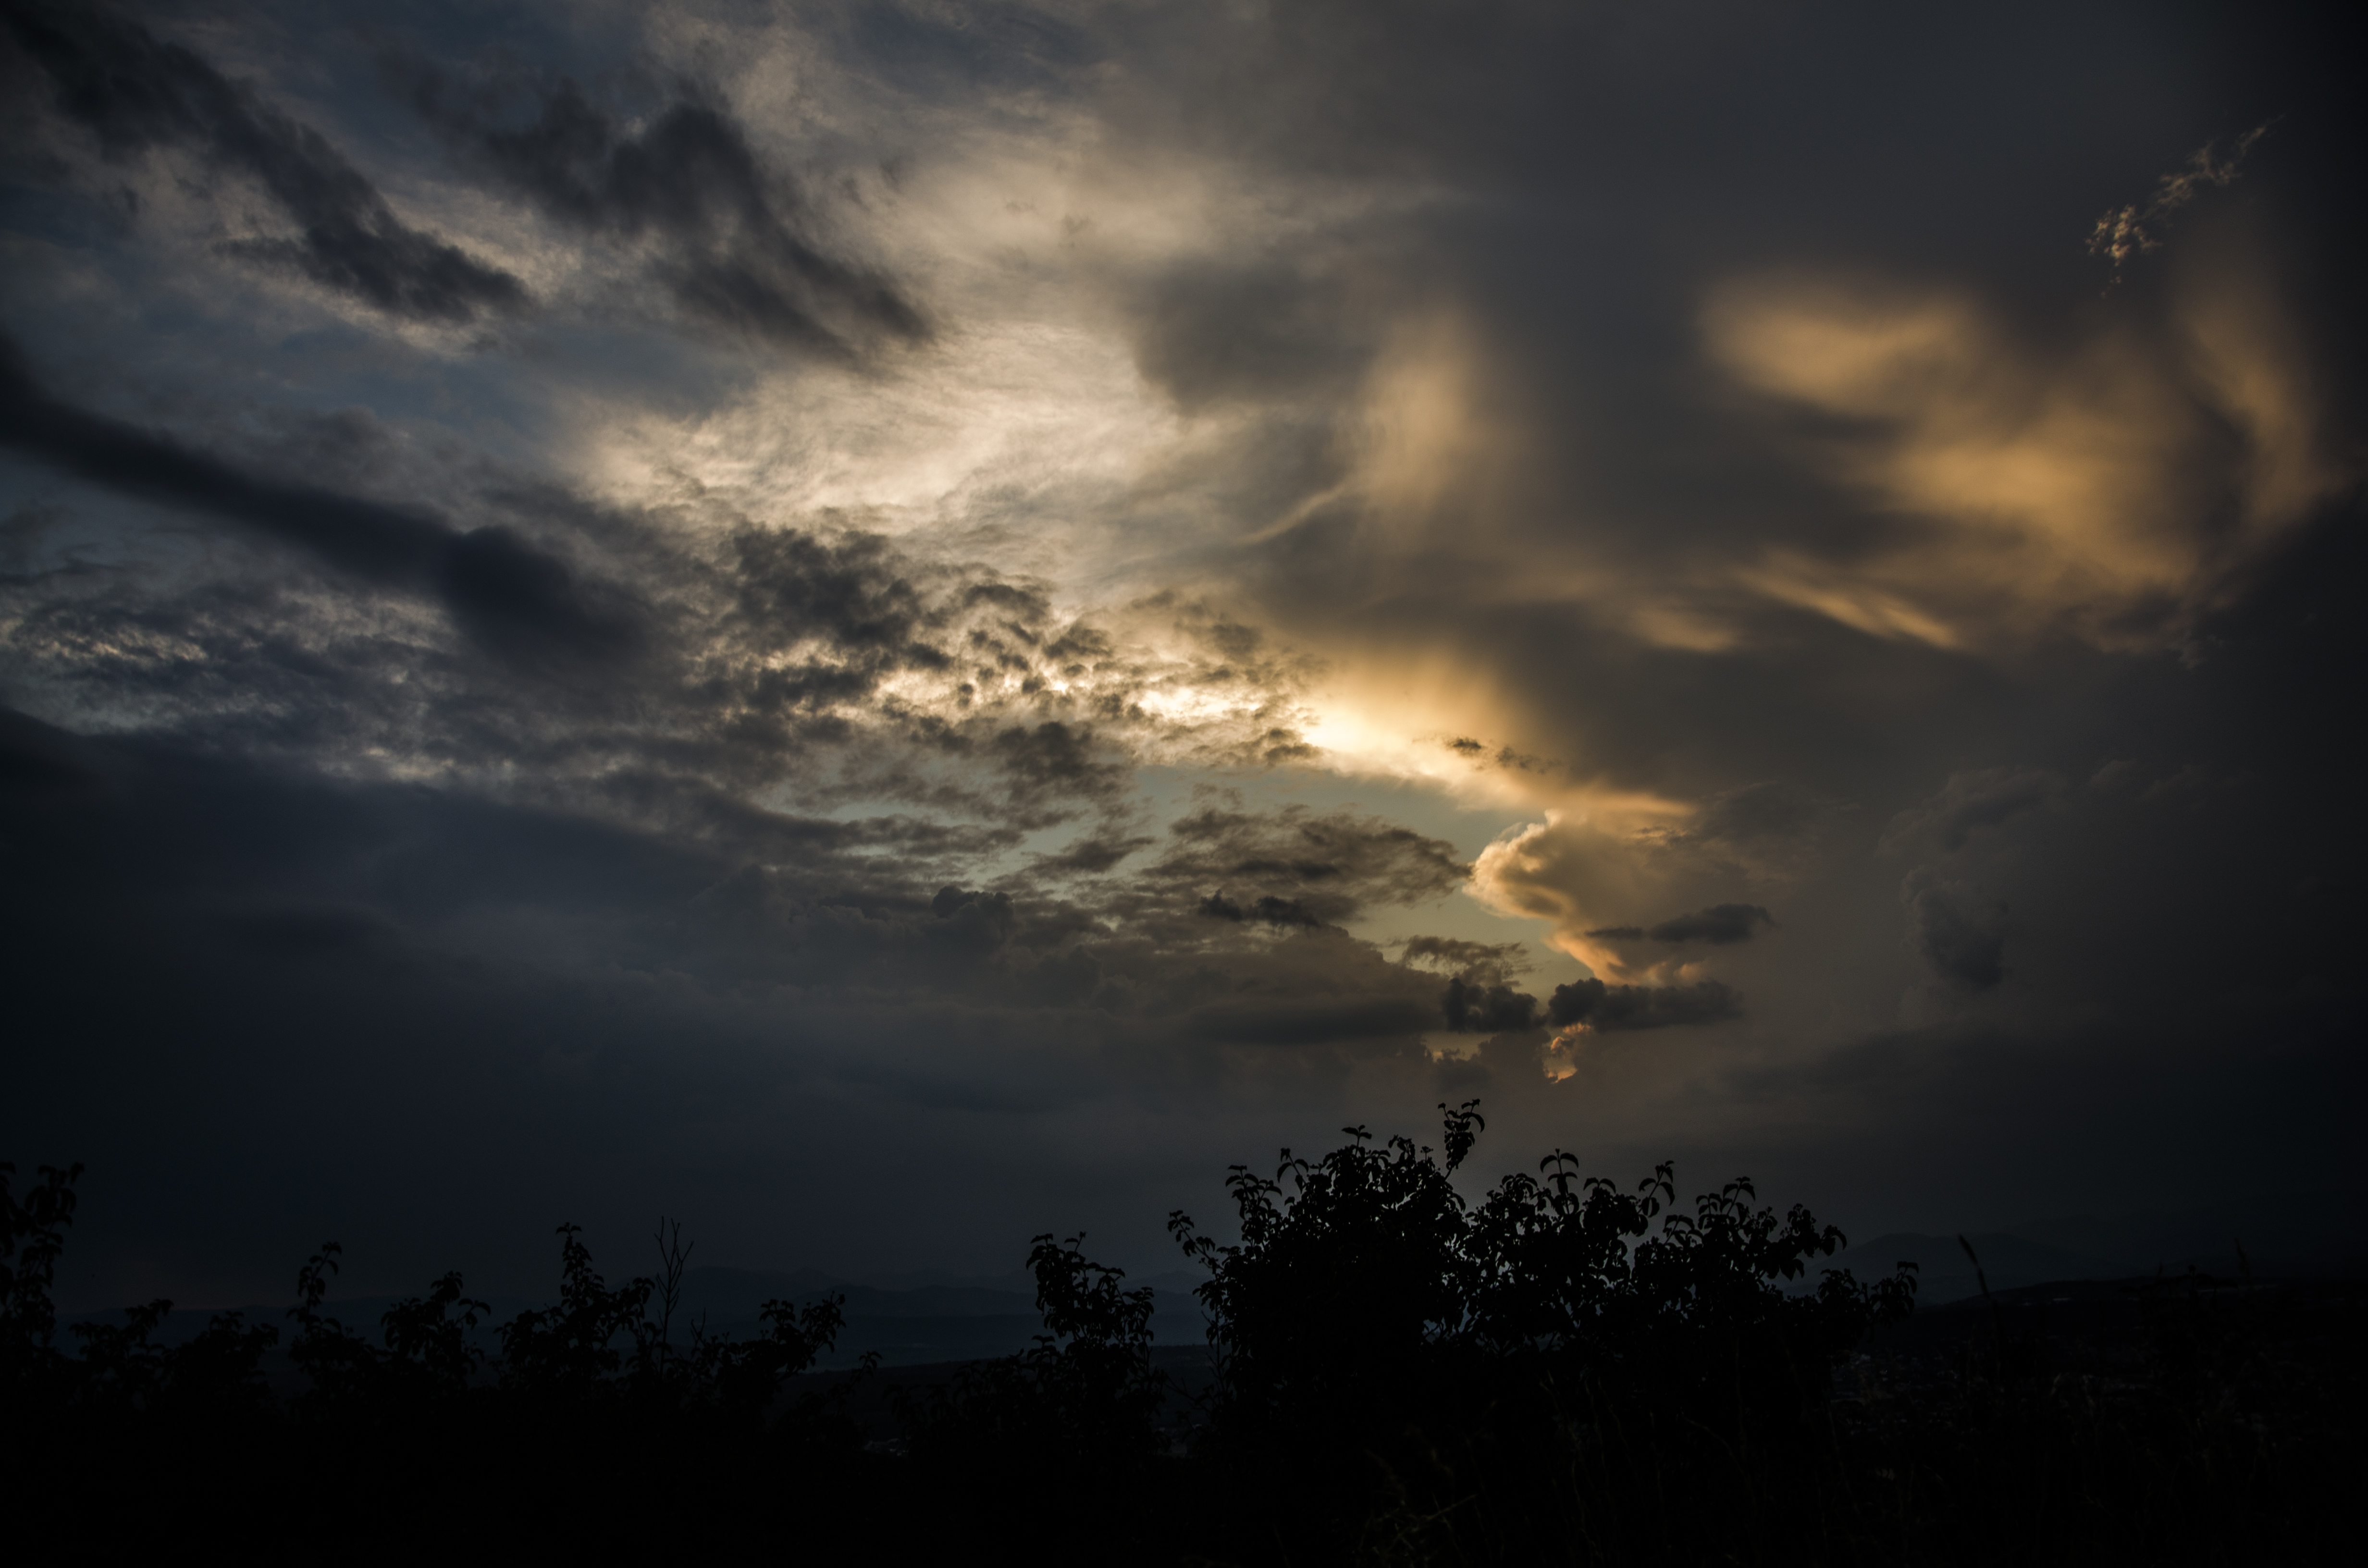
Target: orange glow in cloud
x: 2076, y: 488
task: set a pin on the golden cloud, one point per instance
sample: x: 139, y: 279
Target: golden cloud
x: 2097, y: 486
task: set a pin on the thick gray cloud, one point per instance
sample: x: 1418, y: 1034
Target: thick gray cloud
x: 133, y: 92
x: 1987, y: 798
x: 1949, y: 930
x: 1303, y: 867
x: 1489, y: 1009
x: 509, y: 592
x: 1601, y: 1006
x: 1719, y: 925
x: 736, y: 243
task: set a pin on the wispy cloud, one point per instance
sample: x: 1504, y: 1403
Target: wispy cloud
x: 2132, y: 230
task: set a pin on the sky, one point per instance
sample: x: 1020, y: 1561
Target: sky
x: 886, y: 626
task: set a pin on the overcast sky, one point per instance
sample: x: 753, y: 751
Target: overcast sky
x: 891, y: 626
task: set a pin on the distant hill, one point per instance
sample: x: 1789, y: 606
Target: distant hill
x: 2310, y: 1235
x: 1943, y: 1274
x: 2317, y: 1235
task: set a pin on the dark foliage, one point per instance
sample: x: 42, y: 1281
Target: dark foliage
x: 1084, y: 1399
x: 1567, y: 1371
x: 1371, y: 1321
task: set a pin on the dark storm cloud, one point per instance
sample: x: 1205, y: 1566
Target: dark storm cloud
x: 1057, y: 761
x: 1209, y: 333
x: 756, y: 655
x: 1323, y: 867
x: 1601, y: 1006
x: 1094, y: 854
x: 1477, y: 1002
x: 848, y: 591
x: 1487, y: 1008
x: 736, y: 243
x: 1953, y: 931
x: 501, y: 588
x: 1720, y: 924
x: 1307, y: 1021
x: 851, y: 603
x: 618, y: 947
x: 1970, y: 802
x: 125, y: 848
x: 143, y: 833
x: 1271, y: 911
x: 990, y: 46
x: 133, y: 93
x: 1770, y: 828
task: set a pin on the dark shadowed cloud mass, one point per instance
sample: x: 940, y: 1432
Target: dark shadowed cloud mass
x: 686, y: 180
x: 892, y: 626
x: 110, y: 77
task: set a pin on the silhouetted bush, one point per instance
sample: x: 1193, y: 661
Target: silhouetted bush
x: 1383, y: 1345
x: 1084, y: 1400
x: 1565, y: 1371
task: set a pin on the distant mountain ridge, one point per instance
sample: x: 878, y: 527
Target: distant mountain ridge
x: 2321, y: 1236
x: 1943, y: 1274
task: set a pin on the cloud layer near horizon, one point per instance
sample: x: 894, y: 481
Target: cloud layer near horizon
x: 618, y: 610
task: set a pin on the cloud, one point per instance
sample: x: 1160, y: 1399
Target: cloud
x: 1270, y: 429
x: 735, y: 243
x: 2124, y: 232
x: 1487, y: 1009
x: 1211, y: 332
x: 1574, y: 869
x: 2076, y: 485
x: 1970, y: 802
x: 1958, y: 937
x: 1772, y: 831
x: 1720, y: 924
x: 1271, y: 911
x: 134, y: 93
x: 1325, y: 867
x: 1593, y: 1004
x: 1095, y: 853
x: 1490, y: 963
x: 1480, y: 1002
x: 511, y: 595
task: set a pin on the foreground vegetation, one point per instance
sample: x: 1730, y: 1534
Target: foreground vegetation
x: 1569, y: 1371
